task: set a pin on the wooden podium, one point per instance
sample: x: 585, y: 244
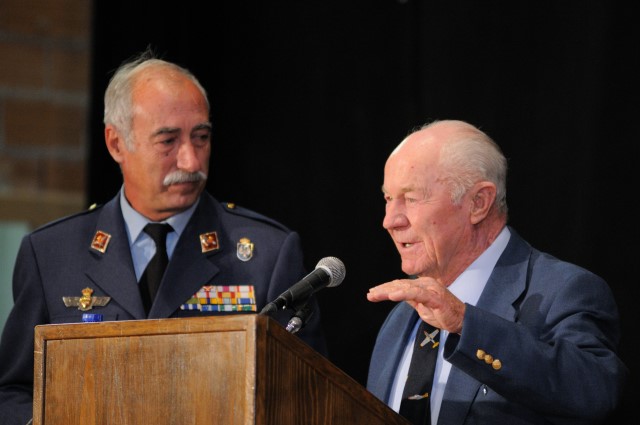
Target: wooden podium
x: 236, y: 369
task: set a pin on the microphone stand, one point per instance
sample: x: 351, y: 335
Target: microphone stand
x: 300, y: 319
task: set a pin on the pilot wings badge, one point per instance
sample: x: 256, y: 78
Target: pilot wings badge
x: 86, y: 301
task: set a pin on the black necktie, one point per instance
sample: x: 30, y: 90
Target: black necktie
x: 150, y: 280
x: 417, y: 391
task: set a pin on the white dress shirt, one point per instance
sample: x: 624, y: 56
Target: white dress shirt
x: 467, y: 287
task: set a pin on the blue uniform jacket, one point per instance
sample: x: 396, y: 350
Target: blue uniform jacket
x: 554, y: 328
x: 57, y: 261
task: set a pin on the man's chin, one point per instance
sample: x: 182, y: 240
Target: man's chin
x: 410, y: 267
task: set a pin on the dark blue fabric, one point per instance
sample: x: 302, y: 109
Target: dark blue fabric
x: 57, y: 261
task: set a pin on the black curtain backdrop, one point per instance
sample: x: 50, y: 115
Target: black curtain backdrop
x: 309, y: 98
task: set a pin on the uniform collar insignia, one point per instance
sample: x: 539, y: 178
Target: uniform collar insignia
x: 100, y: 241
x: 209, y: 242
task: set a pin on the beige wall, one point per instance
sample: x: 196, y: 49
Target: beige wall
x: 44, y: 102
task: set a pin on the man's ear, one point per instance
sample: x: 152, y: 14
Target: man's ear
x: 115, y: 143
x: 483, y: 196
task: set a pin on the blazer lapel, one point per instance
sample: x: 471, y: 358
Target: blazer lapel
x: 505, y: 285
x: 189, y: 268
x: 391, y: 343
x: 112, y: 270
x: 508, y: 279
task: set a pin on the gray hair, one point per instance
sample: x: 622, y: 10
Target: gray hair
x: 118, y: 97
x: 472, y: 156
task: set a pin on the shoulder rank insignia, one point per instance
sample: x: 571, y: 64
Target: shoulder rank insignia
x: 86, y: 301
x: 100, y: 241
x: 209, y: 242
x: 245, y: 249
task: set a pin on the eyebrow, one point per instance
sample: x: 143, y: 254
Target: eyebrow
x: 172, y: 130
x: 202, y: 126
x: 404, y: 189
x: 165, y: 130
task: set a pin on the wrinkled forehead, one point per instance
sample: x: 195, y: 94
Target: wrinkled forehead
x: 415, y: 163
x: 408, y: 171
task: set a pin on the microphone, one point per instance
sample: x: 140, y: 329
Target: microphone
x: 329, y: 272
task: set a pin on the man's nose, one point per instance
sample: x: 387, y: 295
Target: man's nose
x: 394, y: 216
x: 187, y: 157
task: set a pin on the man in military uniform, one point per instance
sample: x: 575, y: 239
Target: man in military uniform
x: 220, y: 258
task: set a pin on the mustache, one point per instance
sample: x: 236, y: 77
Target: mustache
x: 180, y: 176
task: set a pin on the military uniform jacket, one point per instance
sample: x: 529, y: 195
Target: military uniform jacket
x: 58, y: 261
x: 548, y: 332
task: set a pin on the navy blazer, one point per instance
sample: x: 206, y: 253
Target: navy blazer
x: 553, y: 326
x: 57, y: 261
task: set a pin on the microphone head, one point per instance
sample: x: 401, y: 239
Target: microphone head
x: 335, y: 268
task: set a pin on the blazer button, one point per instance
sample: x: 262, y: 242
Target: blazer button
x: 480, y: 354
x: 497, y: 364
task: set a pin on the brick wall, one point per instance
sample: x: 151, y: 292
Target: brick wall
x: 44, y: 103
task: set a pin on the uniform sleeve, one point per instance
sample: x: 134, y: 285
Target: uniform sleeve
x: 288, y: 270
x: 17, y: 343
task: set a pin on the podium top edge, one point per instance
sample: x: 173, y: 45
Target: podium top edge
x: 229, y: 323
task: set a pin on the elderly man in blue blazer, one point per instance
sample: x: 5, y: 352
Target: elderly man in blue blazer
x: 222, y: 259
x: 524, y: 338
